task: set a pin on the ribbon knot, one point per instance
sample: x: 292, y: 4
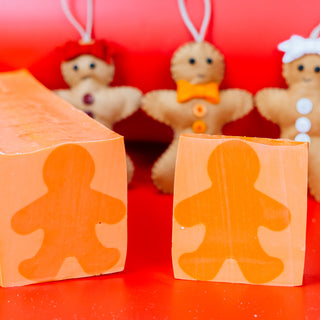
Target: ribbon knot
x: 187, y: 91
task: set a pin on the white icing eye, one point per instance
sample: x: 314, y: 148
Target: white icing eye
x: 302, y: 137
x: 304, y: 106
x: 303, y: 124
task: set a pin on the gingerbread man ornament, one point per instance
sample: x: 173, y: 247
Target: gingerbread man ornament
x: 68, y: 214
x: 197, y: 106
x: 297, y: 109
x: 88, y: 69
x: 232, y: 210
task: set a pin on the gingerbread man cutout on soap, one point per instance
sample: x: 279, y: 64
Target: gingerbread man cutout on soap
x: 232, y: 210
x: 68, y: 214
x: 88, y: 69
x: 197, y: 106
x: 297, y: 109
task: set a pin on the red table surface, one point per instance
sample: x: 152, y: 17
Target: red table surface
x: 147, y: 289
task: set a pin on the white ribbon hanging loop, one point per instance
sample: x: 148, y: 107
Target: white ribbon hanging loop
x: 198, y: 36
x: 84, y: 33
x: 315, y: 32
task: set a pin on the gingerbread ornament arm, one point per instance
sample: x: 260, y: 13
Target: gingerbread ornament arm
x: 162, y: 106
x: 235, y: 103
x: 129, y: 99
x: 119, y: 103
x: 271, y: 104
x: 65, y: 94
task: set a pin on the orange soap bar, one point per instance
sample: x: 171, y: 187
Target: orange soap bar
x: 63, y: 188
x: 240, y: 207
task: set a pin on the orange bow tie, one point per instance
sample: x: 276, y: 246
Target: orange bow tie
x: 187, y: 91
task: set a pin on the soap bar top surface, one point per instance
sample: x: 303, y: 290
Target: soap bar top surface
x: 265, y: 141
x: 33, y: 118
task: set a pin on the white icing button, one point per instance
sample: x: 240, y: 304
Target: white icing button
x: 303, y: 124
x: 304, y: 106
x: 302, y: 137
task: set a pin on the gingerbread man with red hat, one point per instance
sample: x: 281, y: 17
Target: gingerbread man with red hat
x: 88, y: 69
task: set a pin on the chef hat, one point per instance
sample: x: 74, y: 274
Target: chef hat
x: 297, y: 46
x: 99, y: 48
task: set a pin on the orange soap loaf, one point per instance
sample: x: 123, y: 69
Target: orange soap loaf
x: 63, y: 190
x: 240, y: 207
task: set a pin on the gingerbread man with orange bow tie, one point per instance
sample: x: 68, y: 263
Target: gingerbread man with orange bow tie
x: 197, y: 106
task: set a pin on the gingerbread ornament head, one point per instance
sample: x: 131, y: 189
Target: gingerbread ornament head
x: 303, y: 71
x: 197, y: 67
x: 81, y: 61
x: 301, y: 61
x: 198, y: 63
x: 87, y: 58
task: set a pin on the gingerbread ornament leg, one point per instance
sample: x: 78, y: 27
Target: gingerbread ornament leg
x: 314, y: 168
x: 163, y: 170
x: 130, y: 168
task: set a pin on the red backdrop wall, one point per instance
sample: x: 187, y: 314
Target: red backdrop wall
x: 147, y: 32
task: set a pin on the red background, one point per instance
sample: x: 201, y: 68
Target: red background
x: 147, y: 32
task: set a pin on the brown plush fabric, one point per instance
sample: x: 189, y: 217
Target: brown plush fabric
x: 89, y: 78
x: 280, y: 106
x: 163, y: 106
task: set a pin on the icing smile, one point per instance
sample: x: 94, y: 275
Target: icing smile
x: 307, y: 80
